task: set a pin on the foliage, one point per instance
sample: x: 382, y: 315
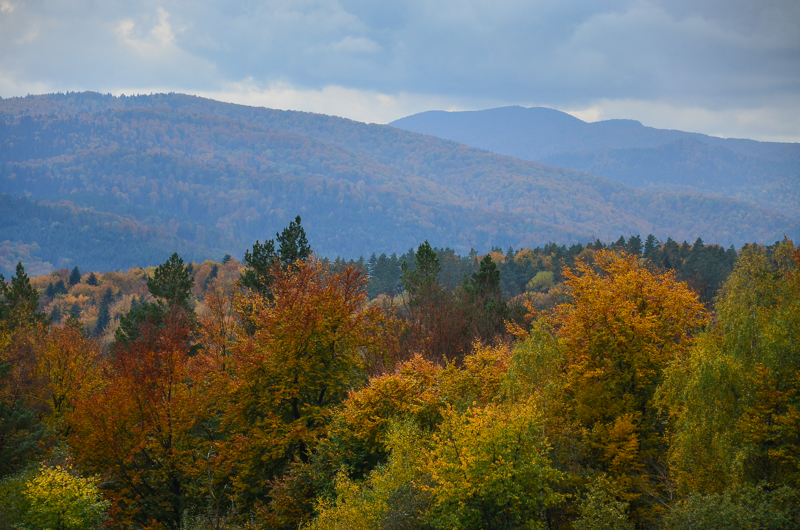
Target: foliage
x: 737, y: 508
x: 600, y: 508
x: 131, y: 430
x: 51, y: 498
x: 616, y: 335
x: 306, y: 353
x: 735, y: 397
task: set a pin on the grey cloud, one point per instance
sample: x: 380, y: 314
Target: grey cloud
x: 711, y: 53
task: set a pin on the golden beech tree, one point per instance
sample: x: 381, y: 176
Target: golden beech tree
x: 308, y: 349
x: 131, y: 430
x: 69, y: 362
x: 614, y: 338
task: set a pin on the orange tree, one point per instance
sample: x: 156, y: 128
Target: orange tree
x: 615, y: 336
x: 308, y: 348
x: 133, y: 428
x: 130, y: 430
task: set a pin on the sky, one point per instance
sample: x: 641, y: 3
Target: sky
x: 727, y: 68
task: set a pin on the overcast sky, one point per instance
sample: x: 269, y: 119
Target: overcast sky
x: 723, y: 67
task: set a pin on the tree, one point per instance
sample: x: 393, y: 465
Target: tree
x: 618, y: 333
x: 437, y: 325
x: 104, y: 313
x: 132, y: 429
x: 484, y: 468
x: 735, y: 397
x: 171, y: 286
x: 75, y: 276
x: 69, y: 362
x: 171, y: 283
x: 19, y: 301
x: 22, y: 434
x: 292, y: 246
x: 52, y: 498
x: 306, y: 352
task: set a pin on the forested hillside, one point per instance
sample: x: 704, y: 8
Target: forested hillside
x: 763, y: 173
x: 223, y: 175
x: 65, y: 236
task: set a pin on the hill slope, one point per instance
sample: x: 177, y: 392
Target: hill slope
x: 223, y: 175
x: 764, y: 173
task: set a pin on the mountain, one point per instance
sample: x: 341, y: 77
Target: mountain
x: 219, y: 176
x: 763, y: 173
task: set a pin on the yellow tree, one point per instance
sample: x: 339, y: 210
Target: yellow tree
x: 69, y: 362
x: 615, y: 336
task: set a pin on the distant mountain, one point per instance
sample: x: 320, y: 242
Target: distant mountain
x: 219, y: 176
x: 764, y: 173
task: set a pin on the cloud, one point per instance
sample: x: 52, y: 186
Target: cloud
x: 356, y: 45
x: 159, y: 39
x: 360, y: 105
x: 733, y: 63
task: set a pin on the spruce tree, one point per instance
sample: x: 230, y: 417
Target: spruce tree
x: 75, y: 276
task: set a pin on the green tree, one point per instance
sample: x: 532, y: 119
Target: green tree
x: 19, y: 301
x: 171, y: 286
x: 735, y: 398
x: 75, y: 276
x: 104, y: 313
x: 292, y: 246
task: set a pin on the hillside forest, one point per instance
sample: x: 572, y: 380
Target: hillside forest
x: 644, y: 384
x: 108, y: 183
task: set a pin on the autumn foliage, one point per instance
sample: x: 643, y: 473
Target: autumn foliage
x: 296, y: 402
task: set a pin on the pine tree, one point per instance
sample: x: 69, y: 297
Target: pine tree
x: 75, y: 276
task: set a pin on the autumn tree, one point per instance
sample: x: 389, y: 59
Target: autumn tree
x: 306, y: 351
x: 22, y: 433
x: 436, y: 323
x: 598, y: 374
x: 130, y: 431
x: 69, y: 364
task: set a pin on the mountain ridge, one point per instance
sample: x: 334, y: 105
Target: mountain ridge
x: 233, y: 174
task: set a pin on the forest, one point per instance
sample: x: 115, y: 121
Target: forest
x: 205, y: 178
x: 642, y: 384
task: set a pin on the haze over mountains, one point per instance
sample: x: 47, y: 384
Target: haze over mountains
x: 764, y: 173
x: 176, y: 171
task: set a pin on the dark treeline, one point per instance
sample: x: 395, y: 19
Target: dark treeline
x: 703, y: 267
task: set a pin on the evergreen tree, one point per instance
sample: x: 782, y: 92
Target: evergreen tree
x: 60, y: 288
x: 75, y: 276
x: 634, y: 245
x: 424, y: 277
x: 19, y: 300
x: 92, y: 279
x: 171, y: 286
x: 104, y: 314
x: 293, y: 244
x: 651, y: 247
x: 171, y: 283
